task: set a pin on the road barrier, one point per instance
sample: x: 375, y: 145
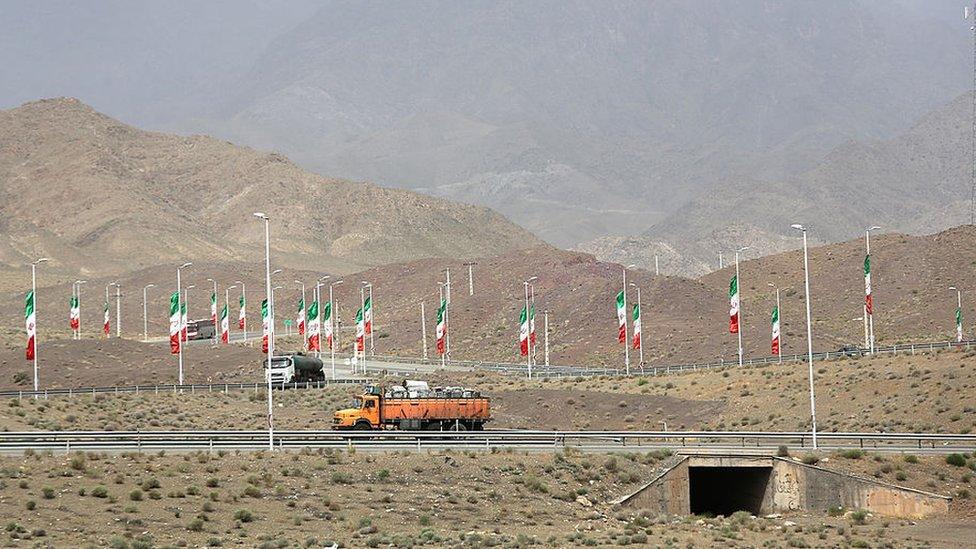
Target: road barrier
x: 187, y: 388
x: 742, y: 441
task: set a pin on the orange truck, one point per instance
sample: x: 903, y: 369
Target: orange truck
x: 415, y: 406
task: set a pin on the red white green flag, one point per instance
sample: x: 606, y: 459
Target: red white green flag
x: 637, y: 326
x: 74, y: 316
x: 300, y: 319
x: 621, y: 318
x: 224, y: 325
x: 958, y: 325
x: 532, y: 324
x: 105, y: 322
x: 242, y: 316
x: 734, y: 305
x: 174, y: 323
x: 775, y: 336
x: 213, y: 308
x: 313, y: 327
x: 183, y: 320
x: 523, y: 333
x: 868, y: 300
x: 441, y: 327
x: 360, y: 331
x: 265, y: 326
x: 368, y: 307
x: 31, y: 325
x: 327, y: 319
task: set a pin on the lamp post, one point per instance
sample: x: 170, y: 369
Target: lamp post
x: 34, y: 265
x: 545, y: 335
x: 528, y: 331
x: 720, y: 264
x: 806, y: 298
x: 423, y: 329
x: 332, y: 326
x: 447, y: 316
x: 304, y: 313
x: 738, y: 289
x: 213, y: 308
x: 118, y: 310
x: 145, y: 310
x: 267, y: 282
x: 958, y: 313
x: 657, y: 270
x: 179, y: 312
x: 243, y: 317
x: 868, y: 311
x: 318, y: 299
x: 78, y: 284
x: 470, y: 265
x: 779, y: 318
x: 227, y: 305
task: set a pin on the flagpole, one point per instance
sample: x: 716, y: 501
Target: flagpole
x: 71, y: 314
x: 332, y: 326
x: 806, y: 298
x: 447, y: 316
x: 439, y: 303
x: 372, y: 346
x: 779, y: 317
x: 214, y: 313
x: 626, y: 328
x: 545, y: 335
x: 179, y: 312
x: 34, y: 294
x: 870, y: 316
x: 738, y: 290
x: 423, y: 328
x: 532, y: 346
x: 79, y: 283
x: 267, y: 286
x: 362, y: 312
x: 244, y: 298
x: 118, y: 310
x: 640, y: 316
x: 528, y: 336
x: 145, y: 310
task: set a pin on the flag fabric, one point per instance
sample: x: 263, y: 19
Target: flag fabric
x: 532, y: 324
x: 360, y: 331
x: 183, y: 320
x: 224, y: 325
x: 241, y: 316
x: 327, y: 318
x: 300, y: 320
x: 734, y: 305
x: 75, y: 315
x: 213, y: 309
x: 868, y: 300
x: 958, y: 325
x: 441, y: 327
x: 523, y: 333
x: 621, y: 318
x: 105, y: 323
x: 313, y: 327
x: 265, y: 326
x: 30, y: 323
x: 637, y: 326
x: 368, y: 305
x: 174, y: 323
x: 775, y: 335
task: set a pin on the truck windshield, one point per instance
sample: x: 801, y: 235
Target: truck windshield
x: 357, y: 402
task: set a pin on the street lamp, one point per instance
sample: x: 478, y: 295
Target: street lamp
x: 332, y: 334
x: 958, y: 313
x: 806, y: 283
x: 267, y: 271
x: 777, y: 323
x: 470, y: 265
x: 738, y: 296
x: 303, y: 320
x: 528, y: 332
x: 145, y: 316
x: 447, y: 315
x: 868, y: 298
x: 317, y: 297
x: 32, y: 320
x: 213, y: 307
x: 179, y: 315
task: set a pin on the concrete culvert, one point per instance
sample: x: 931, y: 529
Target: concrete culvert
x: 725, y: 490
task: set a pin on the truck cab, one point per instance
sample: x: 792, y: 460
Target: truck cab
x: 282, y: 369
x: 364, y: 413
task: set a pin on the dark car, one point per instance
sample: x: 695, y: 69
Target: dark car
x: 200, y: 329
x: 851, y: 350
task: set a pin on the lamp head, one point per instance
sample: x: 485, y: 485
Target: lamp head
x: 262, y: 215
x: 798, y: 227
x: 185, y: 265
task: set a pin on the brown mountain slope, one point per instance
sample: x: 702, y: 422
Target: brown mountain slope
x: 103, y: 197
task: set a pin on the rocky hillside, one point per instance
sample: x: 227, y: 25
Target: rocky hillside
x: 102, y: 197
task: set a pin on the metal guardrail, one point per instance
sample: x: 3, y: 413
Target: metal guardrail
x: 67, y: 441
x: 173, y: 388
x: 584, y: 371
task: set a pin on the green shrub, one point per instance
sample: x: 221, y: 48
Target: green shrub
x: 859, y: 517
x: 99, y: 492
x: 811, y: 459
x: 383, y: 474
x: 243, y: 515
x: 31, y: 504
x: 196, y: 525
x: 135, y: 495
x: 910, y: 458
x: 150, y: 484
x: 47, y: 493
x: 252, y: 491
x: 956, y: 460
x: 853, y: 454
x: 338, y: 477
x: 782, y: 451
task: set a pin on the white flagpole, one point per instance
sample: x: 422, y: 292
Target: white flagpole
x: 423, y: 328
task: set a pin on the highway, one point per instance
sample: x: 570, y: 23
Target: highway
x: 752, y: 442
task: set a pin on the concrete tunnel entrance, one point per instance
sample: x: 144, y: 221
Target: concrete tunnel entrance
x: 725, y: 490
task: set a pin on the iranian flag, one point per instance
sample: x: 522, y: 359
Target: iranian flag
x: 30, y: 322
x: 621, y: 318
x: 75, y: 315
x: 523, y: 333
x: 328, y: 324
x: 105, y: 323
x: 637, y: 326
x: 958, y: 325
x: 213, y: 309
x: 300, y: 320
x: 265, y: 326
x: 224, y: 325
x: 868, y: 301
x: 241, y: 317
x: 442, y: 328
x: 775, y: 336
x: 183, y: 320
x: 174, y: 323
x: 532, y: 324
x: 360, y: 331
x: 313, y: 326
x: 368, y: 305
x: 734, y: 305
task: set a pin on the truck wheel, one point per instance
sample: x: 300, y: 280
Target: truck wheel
x: 457, y: 426
x: 363, y: 426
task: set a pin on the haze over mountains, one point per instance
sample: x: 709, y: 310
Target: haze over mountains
x: 577, y: 120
